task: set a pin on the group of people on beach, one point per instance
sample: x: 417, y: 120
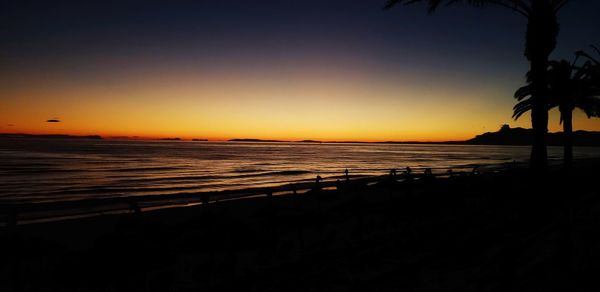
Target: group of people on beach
x: 407, y: 175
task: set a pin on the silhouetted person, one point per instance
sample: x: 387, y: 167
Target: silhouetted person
x: 318, y: 183
x: 408, y: 173
x: 428, y: 175
x: 294, y: 189
x: 346, y: 173
x: 392, y: 176
x: 428, y: 172
x: 450, y: 172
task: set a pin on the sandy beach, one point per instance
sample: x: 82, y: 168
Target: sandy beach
x: 493, y: 231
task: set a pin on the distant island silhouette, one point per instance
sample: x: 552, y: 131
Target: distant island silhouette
x: 505, y: 136
x: 170, y: 139
x: 255, y: 140
x: 49, y: 136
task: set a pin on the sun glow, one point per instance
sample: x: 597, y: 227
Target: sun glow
x: 302, y: 104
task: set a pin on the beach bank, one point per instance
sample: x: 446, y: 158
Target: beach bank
x: 487, y: 231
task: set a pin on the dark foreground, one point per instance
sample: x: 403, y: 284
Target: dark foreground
x: 488, y: 232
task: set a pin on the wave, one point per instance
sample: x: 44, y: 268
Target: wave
x: 121, y: 190
x: 269, y: 173
x: 289, y: 172
x: 40, y: 171
x: 144, y: 169
x: 128, y: 169
x: 181, y: 178
x: 173, y: 178
x: 245, y: 170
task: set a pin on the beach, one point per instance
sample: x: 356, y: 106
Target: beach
x: 489, y: 231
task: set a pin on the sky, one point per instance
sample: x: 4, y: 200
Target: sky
x: 323, y: 70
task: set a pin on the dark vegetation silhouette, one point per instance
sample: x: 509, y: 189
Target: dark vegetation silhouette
x: 540, y: 41
x: 569, y: 86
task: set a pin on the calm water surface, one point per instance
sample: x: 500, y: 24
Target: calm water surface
x: 53, y: 169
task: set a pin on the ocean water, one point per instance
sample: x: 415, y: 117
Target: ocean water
x: 36, y: 170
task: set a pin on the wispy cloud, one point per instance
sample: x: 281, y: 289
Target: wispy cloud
x: 53, y: 121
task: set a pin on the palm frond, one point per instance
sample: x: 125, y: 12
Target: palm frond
x: 521, y: 108
x: 516, y: 5
x: 588, y: 56
x: 590, y: 104
x: 432, y: 4
x: 524, y: 92
x: 595, y: 49
x: 558, y: 4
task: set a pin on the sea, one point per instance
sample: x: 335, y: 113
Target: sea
x: 46, y: 170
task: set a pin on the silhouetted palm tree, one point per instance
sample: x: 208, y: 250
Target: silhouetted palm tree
x: 542, y: 30
x: 569, y: 87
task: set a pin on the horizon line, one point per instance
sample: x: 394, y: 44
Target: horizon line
x: 174, y: 139
x: 190, y: 139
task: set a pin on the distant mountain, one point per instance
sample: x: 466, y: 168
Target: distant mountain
x: 505, y: 136
x: 50, y: 136
x: 200, y: 140
x: 520, y: 136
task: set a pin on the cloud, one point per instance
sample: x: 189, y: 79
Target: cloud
x: 53, y: 121
x: 11, y: 125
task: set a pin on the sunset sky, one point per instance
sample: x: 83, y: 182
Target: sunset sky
x: 326, y: 70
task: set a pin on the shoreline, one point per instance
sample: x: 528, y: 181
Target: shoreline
x: 500, y: 230
x: 49, y: 211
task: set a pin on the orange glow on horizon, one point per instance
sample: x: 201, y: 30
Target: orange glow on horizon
x: 303, y: 104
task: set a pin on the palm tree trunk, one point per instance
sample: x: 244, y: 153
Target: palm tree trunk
x: 539, y: 118
x: 542, y: 31
x: 568, y: 138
